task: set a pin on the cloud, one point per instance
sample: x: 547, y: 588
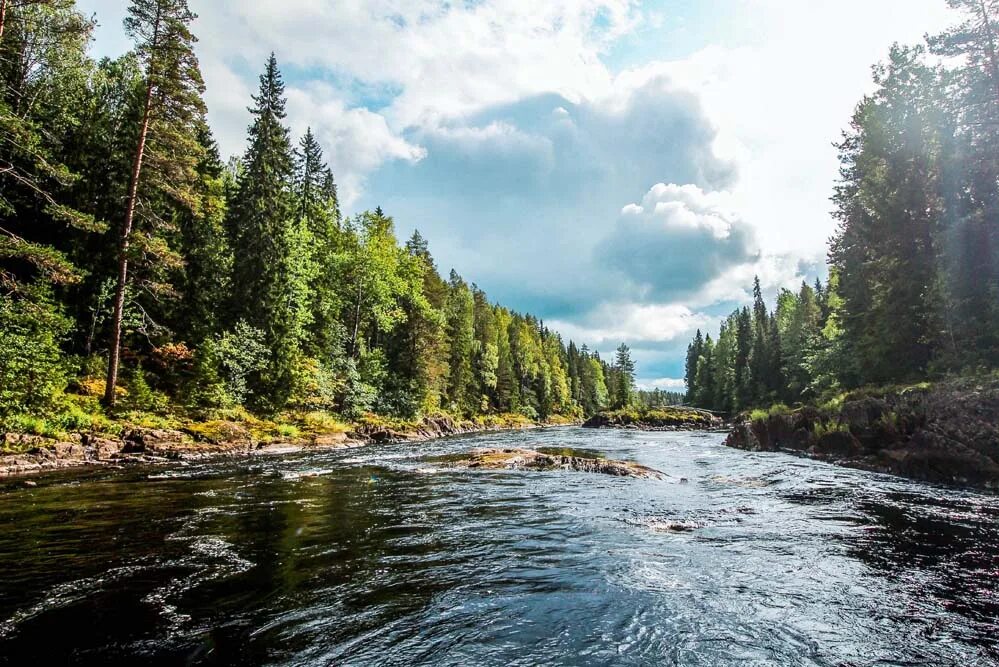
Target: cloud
x: 677, y: 241
x: 445, y: 59
x: 610, y: 324
x: 519, y: 197
x: 664, y: 384
x: 523, y: 139
x: 356, y: 141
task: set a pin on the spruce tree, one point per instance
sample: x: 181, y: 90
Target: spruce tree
x: 970, y: 246
x: 690, y: 370
x: 319, y: 211
x: 760, y: 360
x: 418, y: 350
x: 263, y: 217
x: 890, y: 209
x: 743, y: 353
x: 204, y: 287
x: 460, y: 315
x: 624, y: 367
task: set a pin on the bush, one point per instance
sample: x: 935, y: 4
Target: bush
x: 358, y: 396
x: 223, y: 365
x: 315, y: 386
x: 821, y: 429
x: 529, y: 412
x: 323, y: 422
x: 143, y: 397
x: 32, y: 371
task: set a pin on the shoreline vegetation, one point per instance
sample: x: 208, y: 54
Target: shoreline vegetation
x: 943, y: 432
x: 670, y: 418
x: 165, y: 441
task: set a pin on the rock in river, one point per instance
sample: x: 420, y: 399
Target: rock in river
x: 529, y: 459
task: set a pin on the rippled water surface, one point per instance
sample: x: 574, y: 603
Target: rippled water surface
x: 373, y: 556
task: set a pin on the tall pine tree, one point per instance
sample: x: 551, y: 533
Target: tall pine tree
x: 167, y: 150
x: 264, y: 221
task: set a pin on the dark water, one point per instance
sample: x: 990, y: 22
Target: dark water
x: 373, y: 557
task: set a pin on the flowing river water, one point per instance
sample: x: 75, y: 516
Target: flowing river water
x: 374, y: 556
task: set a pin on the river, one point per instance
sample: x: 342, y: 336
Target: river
x: 373, y: 556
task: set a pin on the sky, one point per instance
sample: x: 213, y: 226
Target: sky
x: 621, y: 169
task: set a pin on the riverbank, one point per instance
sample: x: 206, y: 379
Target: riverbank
x: 658, y: 419
x: 27, y: 454
x: 946, y: 432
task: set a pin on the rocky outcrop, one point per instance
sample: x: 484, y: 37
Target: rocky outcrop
x: 947, y: 433
x: 430, y: 428
x: 668, y: 419
x: 40, y: 453
x: 529, y: 459
x: 36, y: 453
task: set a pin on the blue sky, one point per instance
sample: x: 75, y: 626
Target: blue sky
x: 622, y: 169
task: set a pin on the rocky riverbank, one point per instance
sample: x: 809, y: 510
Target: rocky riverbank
x: 31, y: 454
x: 945, y: 433
x: 661, y: 419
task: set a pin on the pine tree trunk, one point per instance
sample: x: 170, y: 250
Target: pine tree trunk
x: 3, y: 15
x: 114, y: 354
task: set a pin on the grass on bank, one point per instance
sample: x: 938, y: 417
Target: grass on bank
x: 83, y: 413
x: 663, y: 415
x: 829, y: 419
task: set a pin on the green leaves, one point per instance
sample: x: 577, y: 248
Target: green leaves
x: 276, y: 302
x: 33, y: 371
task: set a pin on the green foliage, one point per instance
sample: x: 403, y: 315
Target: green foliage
x: 666, y: 416
x: 243, y: 288
x: 223, y: 366
x: 823, y: 428
x: 914, y: 265
x: 777, y: 410
x: 271, y: 267
x: 623, y: 392
x: 142, y: 397
x: 43, y: 67
x: 165, y: 152
x: 33, y: 371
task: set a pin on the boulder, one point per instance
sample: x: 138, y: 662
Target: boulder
x: 837, y: 444
x: 948, y: 432
x: 69, y: 451
x: 26, y: 440
x: 103, y: 449
x: 329, y: 439
x: 140, y: 440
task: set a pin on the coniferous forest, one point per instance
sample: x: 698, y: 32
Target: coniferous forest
x: 913, y: 287
x: 141, y: 272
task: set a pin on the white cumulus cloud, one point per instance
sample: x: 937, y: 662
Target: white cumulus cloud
x: 679, y: 239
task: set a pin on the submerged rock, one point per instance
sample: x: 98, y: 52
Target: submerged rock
x: 529, y: 459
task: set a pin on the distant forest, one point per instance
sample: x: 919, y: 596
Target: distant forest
x: 139, y: 269
x: 913, y: 288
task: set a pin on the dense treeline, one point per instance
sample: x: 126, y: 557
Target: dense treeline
x: 138, y: 266
x: 764, y: 356
x: 659, y: 398
x: 914, y: 266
